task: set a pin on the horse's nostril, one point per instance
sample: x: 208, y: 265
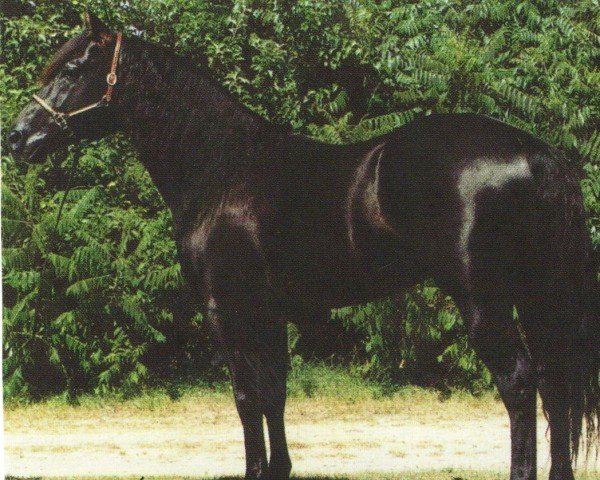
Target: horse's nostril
x: 14, y: 137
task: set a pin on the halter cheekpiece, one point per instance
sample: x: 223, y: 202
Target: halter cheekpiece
x: 61, y: 118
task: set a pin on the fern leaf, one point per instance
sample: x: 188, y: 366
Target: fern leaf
x: 60, y: 263
x: 166, y: 278
x: 23, y: 281
x: 89, y: 260
x: 131, y: 307
x: 339, y: 104
x: 17, y: 258
x: 65, y: 321
x: 12, y: 205
x: 527, y: 104
x: 387, y: 122
x: 12, y: 316
x: 591, y: 147
x: 87, y: 285
x: 83, y: 205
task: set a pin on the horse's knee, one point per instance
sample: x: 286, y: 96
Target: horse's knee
x: 255, y: 347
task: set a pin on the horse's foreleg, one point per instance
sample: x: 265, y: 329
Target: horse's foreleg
x: 274, y: 384
x: 496, y: 339
x: 240, y: 359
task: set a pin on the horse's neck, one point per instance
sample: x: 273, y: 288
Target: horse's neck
x: 192, y: 136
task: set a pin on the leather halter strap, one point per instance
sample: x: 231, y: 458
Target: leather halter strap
x: 61, y: 118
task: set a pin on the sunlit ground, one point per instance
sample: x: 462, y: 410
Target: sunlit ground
x: 338, y: 427
x: 432, y: 475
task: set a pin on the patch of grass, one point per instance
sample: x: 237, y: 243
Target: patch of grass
x: 306, y: 380
x: 315, y: 390
x: 310, y: 379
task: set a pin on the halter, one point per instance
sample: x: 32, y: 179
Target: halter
x: 61, y: 118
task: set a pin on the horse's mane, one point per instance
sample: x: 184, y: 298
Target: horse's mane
x: 177, y: 111
x: 73, y: 48
x: 193, y: 70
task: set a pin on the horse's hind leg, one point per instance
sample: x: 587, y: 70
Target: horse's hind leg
x: 495, y: 337
x: 550, y: 339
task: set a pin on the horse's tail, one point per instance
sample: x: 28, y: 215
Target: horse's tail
x: 571, y: 257
x: 587, y: 395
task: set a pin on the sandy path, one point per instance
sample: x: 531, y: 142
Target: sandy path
x: 205, y: 439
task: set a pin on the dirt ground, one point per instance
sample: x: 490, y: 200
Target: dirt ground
x: 202, y: 436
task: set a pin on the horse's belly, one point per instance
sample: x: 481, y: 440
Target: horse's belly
x: 330, y: 289
x: 328, y: 270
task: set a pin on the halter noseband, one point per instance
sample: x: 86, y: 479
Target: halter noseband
x: 61, y: 118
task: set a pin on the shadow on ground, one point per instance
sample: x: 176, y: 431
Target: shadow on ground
x: 440, y: 475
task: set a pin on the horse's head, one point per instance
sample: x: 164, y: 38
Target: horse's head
x: 75, y: 99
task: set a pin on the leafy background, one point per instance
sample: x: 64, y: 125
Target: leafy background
x: 97, y: 303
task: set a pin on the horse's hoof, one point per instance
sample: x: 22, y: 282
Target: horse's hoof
x: 280, y: 472
x: 562, y: 474
x: 257, y: 476
x: 279, y: 475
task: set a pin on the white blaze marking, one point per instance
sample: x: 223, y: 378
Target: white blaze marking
x: 484, y: 173
x: 35, y: 137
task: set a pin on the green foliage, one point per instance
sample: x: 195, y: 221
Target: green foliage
x: 84, y: 298
x: 96, y: 303
x: 419, y: 338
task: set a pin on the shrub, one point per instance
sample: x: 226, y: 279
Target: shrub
x: 96, y: 302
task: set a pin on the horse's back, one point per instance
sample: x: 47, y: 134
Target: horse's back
x: 433, y: 199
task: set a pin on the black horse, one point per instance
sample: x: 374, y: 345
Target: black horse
x: 272, y: 226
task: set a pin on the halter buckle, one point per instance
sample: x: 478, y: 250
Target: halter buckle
x: 111, y: 78
x: 61, y: 120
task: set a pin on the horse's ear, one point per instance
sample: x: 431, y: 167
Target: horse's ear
x: 98, y: 29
